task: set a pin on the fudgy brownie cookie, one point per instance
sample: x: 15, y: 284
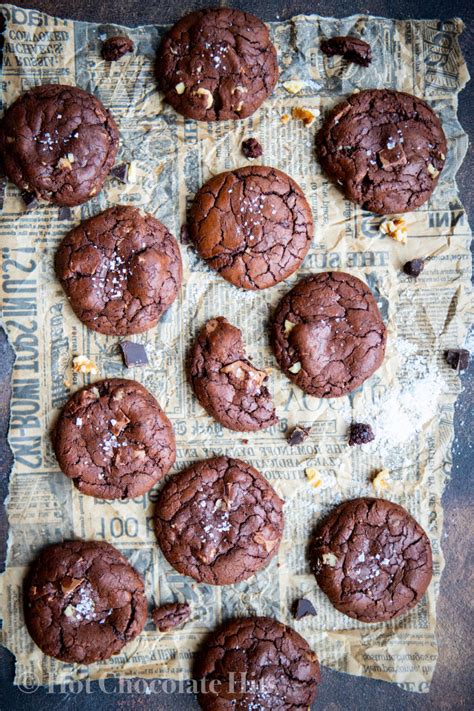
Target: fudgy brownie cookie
x: 328, y: 335
x: 83, y: 601
x: 253, y: 225
x: 257, y: 663
x: 227, y: 385
x: 121, y: 270
x: 59, y: 143
x: 372, y: 559
x: 217, y: 64
x: 385, y: 149
x: 219, y: 521
x: 114, y: 440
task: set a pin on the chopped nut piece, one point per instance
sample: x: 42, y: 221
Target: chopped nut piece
x: 294, y: 86
x: 239, y: 106
x: 240, y: 89
x: 308, y: 117
x: 268, y: 543
x: 288, y: 326
x: 180, y: 88
x: 295, y: 368
x: 432, y: 171
x: 132, y: 172
x: 285, y: 118
x: 442, y: 156
x: 64, y: 163
x: 313, y: 477
x: 209, y: 98
x: 395, y: 229
x: 83, y: 364
x: 329, y: 559
x: 381, y: 479
x: 68, y: 585
x: 242, y: 370
x: 70, y: 611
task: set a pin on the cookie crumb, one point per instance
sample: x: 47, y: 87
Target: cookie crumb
x: 414, y: 267
x: 457, y: 358
x: 116, y: 47
x: 83, y: 364
x: 395, y: 229
x: 298, y: 435
x: 251, y: 148
x: 352, y: 49
x: 303, y: 608
x: 360, y: 433
x: 173, y: 614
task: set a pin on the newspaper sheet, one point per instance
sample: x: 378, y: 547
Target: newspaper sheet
x: 409, y: 400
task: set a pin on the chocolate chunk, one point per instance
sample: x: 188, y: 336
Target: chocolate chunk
x: 116, y: 47
x: 133, y: 353
x: 391, y: 158
x: 120, y: 171
x: 351, y: 48
x: 30, y: 200
x: 64, y: 213
x: 457, y: 358
x: 251, y: 148
x: 414, y: 267
x: 303, y: 608
x: 298, y: 435
x: 173, y: 614
x: 360, y: 433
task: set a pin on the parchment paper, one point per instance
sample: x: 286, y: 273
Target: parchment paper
x: 173, y: 157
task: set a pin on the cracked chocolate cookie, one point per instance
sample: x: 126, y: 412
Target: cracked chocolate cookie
x: 58, y: 142
x: 219, y: 521
x: 328, y: 335
x: 227, y: 385
x: 257, y: 663
x: 217, y: 64
x: 372, y: 559
x: 385, y: 149
x: 83, y: 601
x: 120, y: 270
x: 113, y: 440
x: 253, y: 225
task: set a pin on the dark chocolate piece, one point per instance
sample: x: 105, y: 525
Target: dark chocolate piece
x: 133, y: 353
x: 171, y: 615
x: 304, y: 608
x: 414, y: 267
x: 360, y: 433
x: 120, y: 172
x: 30, y: 200
x: 457, y: 358
x: 251, y: 148
x: 116, y: 47
x: 64, y: 213
x: 298, y: 435
x: 352, y: 49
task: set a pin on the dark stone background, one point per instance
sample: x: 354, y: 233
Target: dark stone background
x: 453, y: 683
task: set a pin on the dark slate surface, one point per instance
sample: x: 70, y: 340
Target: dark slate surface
x: 453, y: 683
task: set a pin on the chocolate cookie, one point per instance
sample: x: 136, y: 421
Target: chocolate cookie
x: 58, y: 143
x: 385, y: 149
x: 227, y: 385
x: 253, y: 225
x: 372, y: 559
x: 219, y: 521
x: 217, y: 64
x: 328, y: 335
x: 114, y: 440
x: 257, y: 663
x: 121, y: 270
x: 83, y: 601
